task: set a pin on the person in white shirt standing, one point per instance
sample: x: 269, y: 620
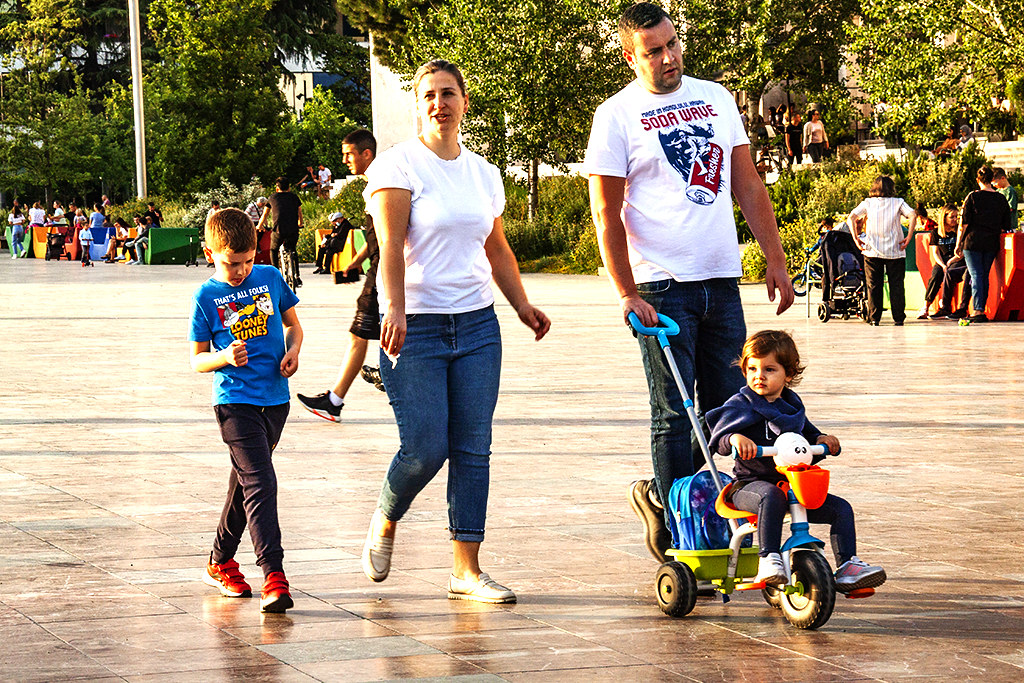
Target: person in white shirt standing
x: 438, y: 209
x: 665, y: 153
x: 324, y: 179
x: 884, y: 246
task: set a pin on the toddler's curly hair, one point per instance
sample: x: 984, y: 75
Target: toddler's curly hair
x: 760, y: 344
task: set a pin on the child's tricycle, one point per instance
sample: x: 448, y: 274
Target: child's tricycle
x: 808, y: 597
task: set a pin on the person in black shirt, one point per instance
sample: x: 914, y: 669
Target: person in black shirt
x: 986, y: 215
x: 286, y: 209
x: 155, y: 217
x: 794, y: 133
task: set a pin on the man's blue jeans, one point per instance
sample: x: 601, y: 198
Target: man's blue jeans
x: 979, y: 263
x: 443, y: 392
x: 712, y: 332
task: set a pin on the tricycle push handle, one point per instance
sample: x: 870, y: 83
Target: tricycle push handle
x: 771, y: 451
x: 671, y: 327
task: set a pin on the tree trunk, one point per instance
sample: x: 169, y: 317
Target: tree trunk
x: 534, y: 181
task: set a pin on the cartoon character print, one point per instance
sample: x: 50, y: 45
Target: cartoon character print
x: 249, y: 320
x: 229, y: 314
x: 691, y: 153
x: 264, y: 304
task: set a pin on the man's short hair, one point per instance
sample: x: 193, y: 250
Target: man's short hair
x: 362, y: 140
x: 998, y: 173
x: 642, y: 15
x: 230, y: 230
x: 282, y: 183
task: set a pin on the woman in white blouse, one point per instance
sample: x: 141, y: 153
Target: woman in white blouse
x: 815, y: 138
x: 437, y: 207
x: 884, y: 246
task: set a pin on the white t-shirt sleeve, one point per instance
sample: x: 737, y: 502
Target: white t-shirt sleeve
x: 391, y: 170
x: 607, y: 149
x: 905, y: 209
x: 498, y: 192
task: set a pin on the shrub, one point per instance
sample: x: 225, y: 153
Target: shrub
x: 795, y: 236
x: 228, y: 194
x: 936, y: 183
x: 586, y: 255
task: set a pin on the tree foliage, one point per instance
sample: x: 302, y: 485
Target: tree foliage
x: 213, y: 106
x: 534, y: 91
x: 932, y: 62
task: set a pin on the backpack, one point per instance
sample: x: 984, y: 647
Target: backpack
x: 695, y: 523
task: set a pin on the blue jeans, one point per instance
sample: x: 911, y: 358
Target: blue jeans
x: 979, y: 263
x: 712, y: 332
x: 443, y: 391
x: 17, y: 235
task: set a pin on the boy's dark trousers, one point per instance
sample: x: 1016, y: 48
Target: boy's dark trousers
x: 251, y: 433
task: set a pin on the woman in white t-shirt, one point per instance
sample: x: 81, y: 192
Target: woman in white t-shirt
x: 37, y: 215
x: 437, y: 209
x: 884, y: 246
x: 17, y: 222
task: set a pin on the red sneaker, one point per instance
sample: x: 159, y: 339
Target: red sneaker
x: 276, y: 597
x: 227, y: 578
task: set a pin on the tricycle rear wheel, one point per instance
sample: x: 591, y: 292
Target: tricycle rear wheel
x: 676, y: 587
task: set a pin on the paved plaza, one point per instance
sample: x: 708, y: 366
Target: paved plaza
x: 112, y: 476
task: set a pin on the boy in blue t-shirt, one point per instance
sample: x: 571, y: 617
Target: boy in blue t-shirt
x: 245, y: 329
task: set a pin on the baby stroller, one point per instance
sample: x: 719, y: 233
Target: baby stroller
x: 56, y: 249
x: 843, y: 286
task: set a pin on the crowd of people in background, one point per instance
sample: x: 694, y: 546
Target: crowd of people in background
x: 59, y: 221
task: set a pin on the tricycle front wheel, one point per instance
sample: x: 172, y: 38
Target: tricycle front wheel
x: 812, y: 609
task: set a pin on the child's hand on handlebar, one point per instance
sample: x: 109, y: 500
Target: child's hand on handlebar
x: 745, y: 448
x: 830, y: 441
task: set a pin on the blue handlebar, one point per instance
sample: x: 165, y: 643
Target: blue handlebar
x: 671, y: 327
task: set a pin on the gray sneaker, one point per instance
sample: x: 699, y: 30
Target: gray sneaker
x: 657, y: 537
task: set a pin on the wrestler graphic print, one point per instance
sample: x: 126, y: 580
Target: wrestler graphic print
x: 691, y: 153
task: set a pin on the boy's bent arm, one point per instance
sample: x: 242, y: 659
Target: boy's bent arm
x: 292, y: 342
x: 204, y: 360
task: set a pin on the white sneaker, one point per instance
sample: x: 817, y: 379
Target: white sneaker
x: 377, y: 554
x: 771, y: 570
x: 855, y: 573
x: 484, y: 589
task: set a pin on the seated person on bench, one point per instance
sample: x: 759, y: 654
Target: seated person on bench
x: 333, y: 243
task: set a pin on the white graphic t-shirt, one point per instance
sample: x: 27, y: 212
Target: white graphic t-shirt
x: 675, y: 153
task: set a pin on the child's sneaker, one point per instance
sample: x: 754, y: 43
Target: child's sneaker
x: 227, y: 578
x: 276, y: 597
x: 771, y: 570
x: 856, y: 573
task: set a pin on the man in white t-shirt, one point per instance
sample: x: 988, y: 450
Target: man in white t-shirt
x: 665, y: 153
x: 323, y: 181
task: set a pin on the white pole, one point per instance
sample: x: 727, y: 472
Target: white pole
x: 140, y: 121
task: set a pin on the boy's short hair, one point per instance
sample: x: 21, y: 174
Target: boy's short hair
x: 760, y: 344
x: 362, y: 140
x: 230, y: 230
x: 642, y: 15
x: 998, y: 173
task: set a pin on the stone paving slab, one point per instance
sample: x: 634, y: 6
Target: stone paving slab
x: 112, y: 475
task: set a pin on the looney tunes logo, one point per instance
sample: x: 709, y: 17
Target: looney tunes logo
x: 247, y: 320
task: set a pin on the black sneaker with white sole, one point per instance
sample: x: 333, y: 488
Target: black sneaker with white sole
x: 321, y: 406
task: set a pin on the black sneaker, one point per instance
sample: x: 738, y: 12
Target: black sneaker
x: 321, y: 406
x: 657, y: 537
x: 941, y: 313
x: 371, y: 375
x: 979, y: 318
x: 957, y: 315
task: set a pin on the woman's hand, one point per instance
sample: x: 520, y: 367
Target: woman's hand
x: 745, y: 448
x: 392, y: 331
x: 535, y: 319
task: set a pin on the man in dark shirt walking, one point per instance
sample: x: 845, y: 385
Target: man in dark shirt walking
x: 286, y: 209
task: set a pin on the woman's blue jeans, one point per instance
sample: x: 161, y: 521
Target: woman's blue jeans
x: 979, y: 263
x: 712, y: 332
x: 17, y: 237
x: 443, y: 392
